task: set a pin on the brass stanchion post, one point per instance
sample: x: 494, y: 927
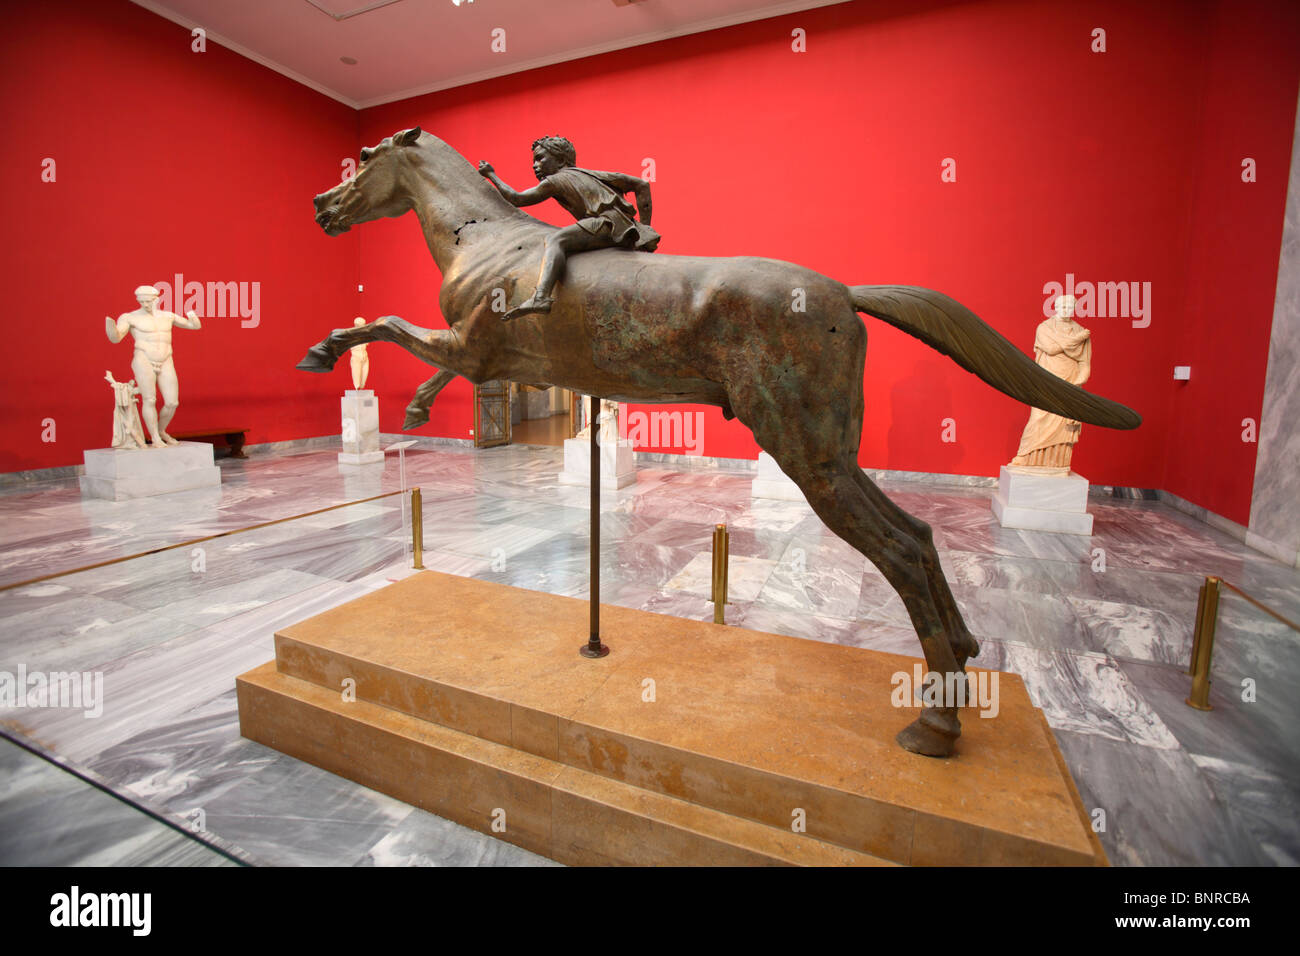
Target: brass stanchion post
x: 1197, y: 630
x: 417, y: 529
x: 721, y: 545
x: 1203, y: 644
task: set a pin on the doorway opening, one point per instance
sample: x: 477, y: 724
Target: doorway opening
x: 541, y: 416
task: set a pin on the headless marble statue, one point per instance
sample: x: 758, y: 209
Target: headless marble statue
x: 608, y: 421
x: 360, y: 359
x: 1064, y: 348
x: 127, y: 431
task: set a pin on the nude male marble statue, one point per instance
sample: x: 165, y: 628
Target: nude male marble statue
x: 151, y: 328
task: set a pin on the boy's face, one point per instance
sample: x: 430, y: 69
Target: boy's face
x: 544, y: 163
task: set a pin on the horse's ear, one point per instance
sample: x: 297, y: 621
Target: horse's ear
x: 408, y: 137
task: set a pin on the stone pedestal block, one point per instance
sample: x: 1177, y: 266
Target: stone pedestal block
x: 617, y: 464
x: 772, y: 482
x: 360, y: 427
x: 472, y: 702
x: 1035, y: 502
x: 119, y: 473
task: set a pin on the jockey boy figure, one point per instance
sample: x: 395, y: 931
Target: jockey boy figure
x: 596, y: 199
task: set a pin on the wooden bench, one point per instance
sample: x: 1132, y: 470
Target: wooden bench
x: 234, y: 438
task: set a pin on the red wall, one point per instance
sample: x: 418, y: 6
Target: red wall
x: 1115, y: 166
x: 1122, y: 166
x: 1232, y: 243
x: 168, y: 161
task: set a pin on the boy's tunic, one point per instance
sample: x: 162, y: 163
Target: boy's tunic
x: 592, y: 198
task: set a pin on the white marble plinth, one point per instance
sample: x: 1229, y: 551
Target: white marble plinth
x: 121, y: 473
x: 360, y: 428
x: 772, y: 482
x: 1038, y: 502
x: 617, y: 464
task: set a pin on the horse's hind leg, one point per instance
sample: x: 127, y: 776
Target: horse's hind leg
x: 836, y: 496
x: 964, y: 645
x: 830, y: 482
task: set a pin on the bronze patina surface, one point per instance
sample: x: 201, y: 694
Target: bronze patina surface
x: 632, y: 326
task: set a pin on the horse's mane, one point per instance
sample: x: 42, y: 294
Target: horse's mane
x: 440, y: 151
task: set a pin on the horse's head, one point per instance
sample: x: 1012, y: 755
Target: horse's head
x: 374, y: 192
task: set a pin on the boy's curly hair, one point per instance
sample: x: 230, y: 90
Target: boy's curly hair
x: 559, y: 147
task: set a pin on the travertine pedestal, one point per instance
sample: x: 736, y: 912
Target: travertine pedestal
x: 772, y: 482
x: 360, y: 428
x: 617, y: 464
x: 119, y: 473
x: 1037, y: 502
x: 691, y: 743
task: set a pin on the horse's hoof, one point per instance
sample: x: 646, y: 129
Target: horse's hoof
x: 317, y: 359
x: 931, y: 736
x: 415, y: 419
x: 966, y: 648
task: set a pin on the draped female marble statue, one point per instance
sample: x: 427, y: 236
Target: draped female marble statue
x: 662, y: 329
x: 1064, y: 348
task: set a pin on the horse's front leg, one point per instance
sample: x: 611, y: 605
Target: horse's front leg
x: 440, y: 348
x: 417, y: 413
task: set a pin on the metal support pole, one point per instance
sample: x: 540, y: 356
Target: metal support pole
x: 417, y: 529
x: 721, y: 547
x: 1207, y: 615
x: 593, y: 647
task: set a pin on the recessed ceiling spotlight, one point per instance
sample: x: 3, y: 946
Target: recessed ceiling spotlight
x: 459, y: 2
x: 349, y: 60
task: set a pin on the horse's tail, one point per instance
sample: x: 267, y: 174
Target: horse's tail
x: 949, y: 327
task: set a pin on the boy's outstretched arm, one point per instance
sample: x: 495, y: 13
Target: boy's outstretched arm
x: 639, y: 188
x: 528, y: 197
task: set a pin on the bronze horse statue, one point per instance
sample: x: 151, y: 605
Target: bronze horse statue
x: 653, y: 328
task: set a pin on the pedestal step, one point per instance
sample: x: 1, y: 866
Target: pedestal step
x: 120, y: 473
x: 1033, y: 501
x: 617, y: 464
x: 561, y: 812
x: 765, y: 729
x: 360, y: 411
x: 772, y: 482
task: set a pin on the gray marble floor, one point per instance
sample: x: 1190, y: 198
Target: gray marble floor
x: 1099, y: 628
x: 49, y: 817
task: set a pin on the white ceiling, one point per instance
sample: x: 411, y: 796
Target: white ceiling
x: 408, y: 47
